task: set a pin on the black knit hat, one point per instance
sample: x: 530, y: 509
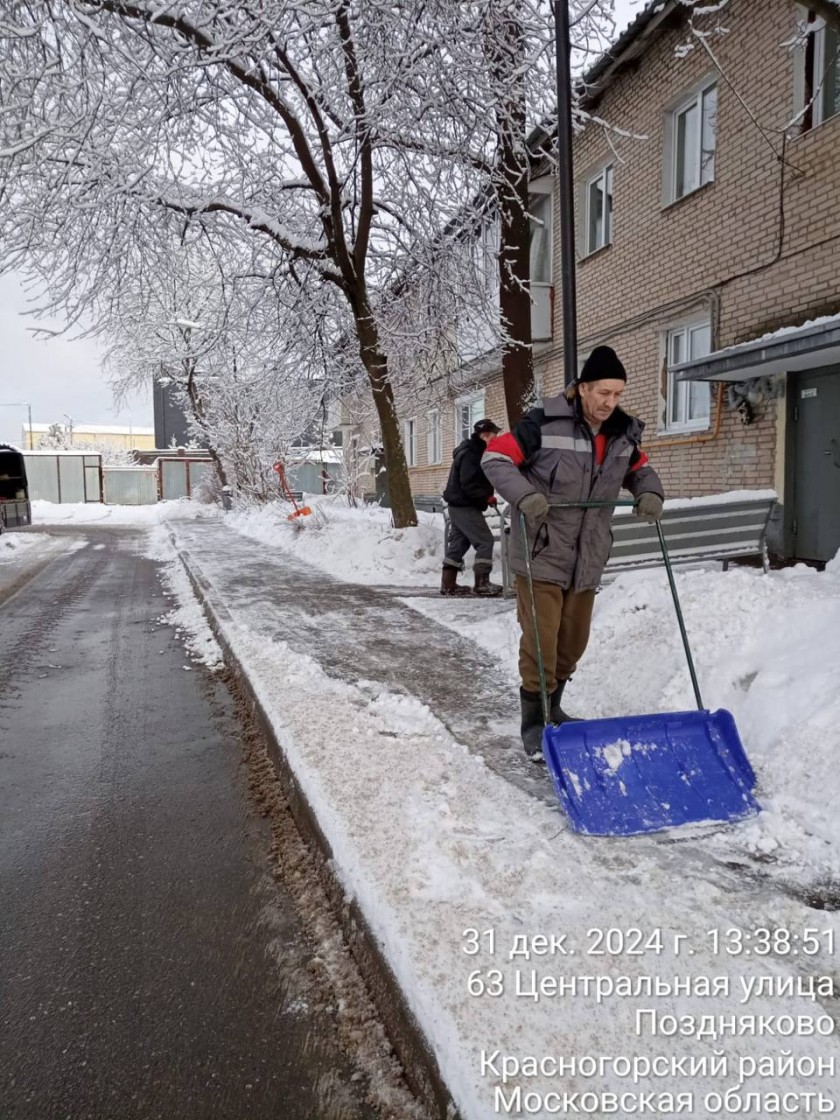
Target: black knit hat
x: 485, y: 426
x: 602, y: 364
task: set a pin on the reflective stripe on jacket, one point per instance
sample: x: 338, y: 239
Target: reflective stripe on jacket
x: 552, y: 451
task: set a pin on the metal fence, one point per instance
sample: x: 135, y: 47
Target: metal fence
x: 179, y: 476
x: 130, y: 486
x: 64, y: 476
x: 314, y: 478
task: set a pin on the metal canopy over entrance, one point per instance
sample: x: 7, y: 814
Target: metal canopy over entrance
x: 811, y: 346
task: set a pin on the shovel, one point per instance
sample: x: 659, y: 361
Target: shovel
x: 299, y: 511
x: 639, y: 774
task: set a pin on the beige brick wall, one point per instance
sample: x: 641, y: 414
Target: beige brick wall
x: 717, y: 249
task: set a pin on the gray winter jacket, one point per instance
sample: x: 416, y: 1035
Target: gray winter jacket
x: 552, y: 451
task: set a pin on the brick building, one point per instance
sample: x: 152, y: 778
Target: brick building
x: 707, y: 218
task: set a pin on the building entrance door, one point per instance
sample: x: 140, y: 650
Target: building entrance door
x: 816, y: 484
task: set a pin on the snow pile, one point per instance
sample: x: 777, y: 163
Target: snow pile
x: 14, y: 545
x: 766, y: 647
x: 358, y: 545
x: 187, y: 617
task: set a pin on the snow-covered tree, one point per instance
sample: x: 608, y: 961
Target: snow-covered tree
x: 262, y: 119
x: 239, y: 362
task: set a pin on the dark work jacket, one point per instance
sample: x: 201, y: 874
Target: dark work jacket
x: 468, y: 485
x: 552, y: 451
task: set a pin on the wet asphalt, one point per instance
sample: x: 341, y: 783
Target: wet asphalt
x: 150, y: 966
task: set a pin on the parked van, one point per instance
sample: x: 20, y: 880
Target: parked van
x: 15, y: 509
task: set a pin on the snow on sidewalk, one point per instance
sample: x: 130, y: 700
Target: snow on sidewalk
x: 766, y: 647
x: 432, y: 843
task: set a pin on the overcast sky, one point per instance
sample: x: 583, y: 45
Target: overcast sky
x: 62, y: 376
x: 56, y: 377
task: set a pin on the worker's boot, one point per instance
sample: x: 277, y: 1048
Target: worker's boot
x: 483, y: 586
x: 555, y: 711
x: 449, y: 582
x: 532, y: 725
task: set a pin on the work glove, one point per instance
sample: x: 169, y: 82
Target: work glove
x: 535, y: 508
x: 649, y: 506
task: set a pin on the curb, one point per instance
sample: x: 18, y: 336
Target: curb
x: 410, y: 1044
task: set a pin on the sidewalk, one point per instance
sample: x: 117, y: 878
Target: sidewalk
x: 401, y: 736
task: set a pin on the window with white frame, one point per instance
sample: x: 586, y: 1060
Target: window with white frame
x: 540, y: 213
x: 821, y: 98
x: 468, y: 410
x: 598, y: 201
x: 687, y: 404
x: 540, y: 208
x: 434, y: 437
x: 410, y: 441
x: 486, y: 256
x: 690, y: 143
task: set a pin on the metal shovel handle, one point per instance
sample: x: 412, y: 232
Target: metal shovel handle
x: 666, y: 559
x: 540, y: 664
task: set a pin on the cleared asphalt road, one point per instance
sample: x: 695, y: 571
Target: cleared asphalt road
x: 149, y: 964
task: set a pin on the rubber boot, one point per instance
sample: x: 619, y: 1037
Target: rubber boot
x: 449, y: 582
x: 532, y: 725
x: 483, y: 586
x: 555, y: 711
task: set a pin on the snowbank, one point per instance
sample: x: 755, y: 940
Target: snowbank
x: 766, y: 647
x: 14, y: 545
x: 359, y: 545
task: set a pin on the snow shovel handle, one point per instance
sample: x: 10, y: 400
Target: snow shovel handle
x: 667, y: 559
x: 540, y: 665
x: 592, y: 505
x: 667, y: 562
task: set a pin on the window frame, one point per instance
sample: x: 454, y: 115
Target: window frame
x: 685, y: 422
x: 410, y: 440
x: 605, y: 173
x: 468, y: 401
x: 540, y: 191
x: 694, y: 99
x: 434, y: 436
x: 816, y: 80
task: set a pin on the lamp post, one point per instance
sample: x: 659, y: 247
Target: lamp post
x: 27, y: 405
x: 565, y: 182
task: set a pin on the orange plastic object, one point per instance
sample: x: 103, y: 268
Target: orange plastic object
x: 300, y: 511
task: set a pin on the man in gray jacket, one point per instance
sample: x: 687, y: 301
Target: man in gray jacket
x: 579, y: 446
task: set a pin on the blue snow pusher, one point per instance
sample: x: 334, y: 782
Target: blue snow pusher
x: 620, y: 777
x: 638, y: 774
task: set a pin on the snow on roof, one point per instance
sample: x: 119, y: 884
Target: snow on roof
x: 810, y: 345
x: 772, y: 336
x: 62, y: 451
x: 97, y: 429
